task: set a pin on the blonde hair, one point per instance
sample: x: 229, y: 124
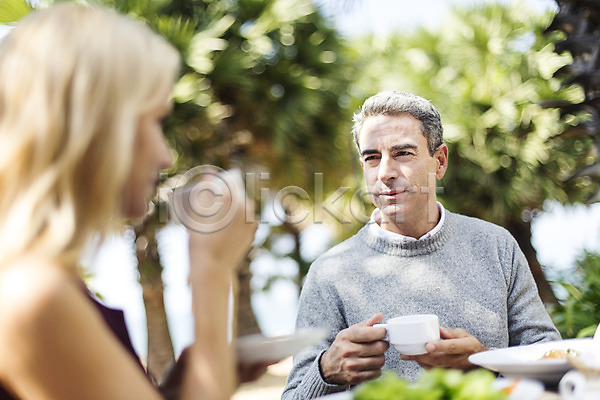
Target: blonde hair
x: 74, y: 80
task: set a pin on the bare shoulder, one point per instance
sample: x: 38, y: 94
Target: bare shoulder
x: 55, y: 344
x: 31, y: 288
x: 34, y: 297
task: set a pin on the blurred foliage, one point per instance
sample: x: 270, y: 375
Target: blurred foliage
x: 486, y: 69
x: 259, y: 88
x: 13, y: 10
x: 578, y: 314
x: 577, y: 22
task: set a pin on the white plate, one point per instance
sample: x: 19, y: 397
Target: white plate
x: 525, y: 361
x: 255, y: 348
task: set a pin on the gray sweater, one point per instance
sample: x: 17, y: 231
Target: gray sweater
x: 471, y: 273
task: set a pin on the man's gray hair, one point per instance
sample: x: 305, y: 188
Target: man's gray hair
x: 398, y: 103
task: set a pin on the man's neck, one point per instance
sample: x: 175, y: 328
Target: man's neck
x: 414, y: 229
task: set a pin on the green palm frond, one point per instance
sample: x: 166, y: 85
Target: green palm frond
x: 12, y: 11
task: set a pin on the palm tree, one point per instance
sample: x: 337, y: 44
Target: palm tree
x: 12, y: 11
x: 576, y: 24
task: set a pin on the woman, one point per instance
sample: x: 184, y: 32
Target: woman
x: 83, y: 92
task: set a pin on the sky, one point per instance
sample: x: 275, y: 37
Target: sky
x: 559, y: 233
x: 354, y: 17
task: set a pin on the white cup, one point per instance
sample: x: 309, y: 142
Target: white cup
x: 410, y: 333
x: 576, y: 386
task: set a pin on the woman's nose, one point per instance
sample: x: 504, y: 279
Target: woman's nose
x: 166, y: 158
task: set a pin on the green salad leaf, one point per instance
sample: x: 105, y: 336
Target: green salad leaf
x: 435, y: 384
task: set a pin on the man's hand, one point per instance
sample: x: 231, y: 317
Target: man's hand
x: 356, y: 355
x: 452, y: 352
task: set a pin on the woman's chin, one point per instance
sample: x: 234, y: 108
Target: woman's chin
x: 136, y: 211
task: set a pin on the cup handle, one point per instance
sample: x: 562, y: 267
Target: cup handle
x: 572, y: 385
x: 385, y: 326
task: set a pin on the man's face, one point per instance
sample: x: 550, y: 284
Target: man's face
x: 400, y: 174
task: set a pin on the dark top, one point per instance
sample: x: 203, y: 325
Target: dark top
x: 115, y: 320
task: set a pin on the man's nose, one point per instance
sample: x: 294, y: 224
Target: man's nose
x: 387, y: 169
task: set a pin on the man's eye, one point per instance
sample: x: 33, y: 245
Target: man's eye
x: 371, y: 158
x: 402, y: 154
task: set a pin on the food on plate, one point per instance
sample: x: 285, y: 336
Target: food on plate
x: 558, y: 354
x: 508, y: 389
x: 554, y: 353
x: 435, y: 384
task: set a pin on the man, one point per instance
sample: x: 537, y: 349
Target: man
x: 413, y: 257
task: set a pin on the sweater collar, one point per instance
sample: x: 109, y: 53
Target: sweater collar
x: 375, y: 226
x: 383, y: 244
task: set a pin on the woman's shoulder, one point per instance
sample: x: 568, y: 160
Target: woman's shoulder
x: 54, y: 341
x: 33, y: 285
x: 34, y: 295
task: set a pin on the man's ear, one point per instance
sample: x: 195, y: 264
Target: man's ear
x: 441, y: 159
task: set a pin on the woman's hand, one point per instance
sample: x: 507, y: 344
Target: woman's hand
x: 248, y: 372
x: 214, y: 209
x: 218, y: 216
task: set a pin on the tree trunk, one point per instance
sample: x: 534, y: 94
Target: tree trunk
x: 245, y: 322
x: 522, y: 233
x: 160, y: 346
x: 295, y: 255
